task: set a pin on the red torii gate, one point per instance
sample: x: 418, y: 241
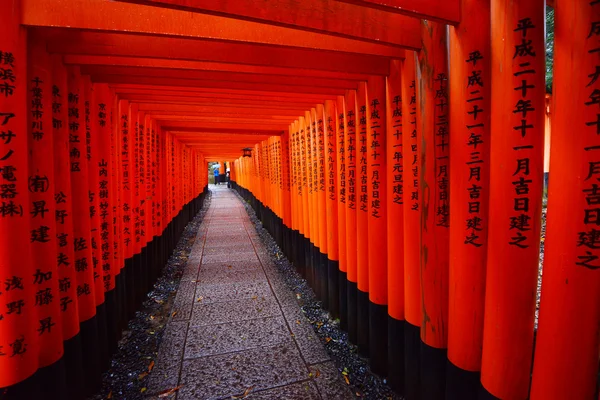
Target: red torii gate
x: 397, y: 160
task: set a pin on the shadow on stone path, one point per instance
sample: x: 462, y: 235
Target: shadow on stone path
x: 236, y: 330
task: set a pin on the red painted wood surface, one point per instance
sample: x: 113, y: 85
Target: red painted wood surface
x: 470, y: 89
x: 566, y: 351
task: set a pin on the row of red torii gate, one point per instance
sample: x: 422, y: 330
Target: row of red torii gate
x: 412, y: 205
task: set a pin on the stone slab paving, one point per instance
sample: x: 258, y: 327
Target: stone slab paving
x: 236, y: 330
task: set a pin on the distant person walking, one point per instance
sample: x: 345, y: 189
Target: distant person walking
x: 216, y: 176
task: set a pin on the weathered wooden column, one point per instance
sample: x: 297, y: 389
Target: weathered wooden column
x: 395, y: 226
x: 324, y: 265
x: 340, y: 127
x: 42, y: 211
x: 63, y: 200
x: 566, y: 351
x: 470, y: 94
x: 412, y: 219
x: 126, y: 144
x: 100, y: 107
x: 82, y: 239
x: 331, y: 173
x: 352, y: 199
x: 19, y: 341
x: 432, y: 119
x: 516, y: 178
x: 286, y: 192
x: 303, y: 156
x: 377, y: 223
x: 362, y: 229
x: 93, y: 206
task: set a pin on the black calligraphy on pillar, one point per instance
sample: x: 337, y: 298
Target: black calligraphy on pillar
x: 414, y: 188
x: 397, y: 176
x: 9, y: 190
x: 588, y: 240
x: 363, y: 197
x: 375, y: 156
x: 475, y: 142
x: 520, y: 221
x: 351, y: 158
x: 126, y: 209
x: 442, y: 206
x: 37, y: 109
x: 321, y: 149
x: 330, y: 159
x: 342, y: 159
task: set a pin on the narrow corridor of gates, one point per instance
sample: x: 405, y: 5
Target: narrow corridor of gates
x: 397, y: 150
x: 237, y: 327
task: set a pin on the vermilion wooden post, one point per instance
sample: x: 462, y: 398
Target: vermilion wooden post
x: 82, y: 240
x: 126, y: 144
x: 566, y: 351
x: 362, y: 217
x: 296, y: 189
x: 377, y: 223
x: 102, y: 156
x: 395, y: 226
x: 93, y: 206
x: 516, y: 178
x: 352, y: 199
x: 117, y: 218
x: 331, y: 173
x: 470, y: 89
x: 300, y: 187
x: 412, y: 221
x: 340, y: 128
x: 324, y: 249
x: 313, y: 210
x: 432, y: 119
x: 63, y: 201
x: 304, y: 156
x: 118, y: 249
x: 41, y: 208
x: 18, y: 336
x: 138, y: 265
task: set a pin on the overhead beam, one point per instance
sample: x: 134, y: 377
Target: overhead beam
x: 164, y: 73
x: 323, y: 16
x: 181, y: 127
x: 218, y: 93
x: 446, y: 11
x: 110, y: 16
x: 61, y: 41
x: 207, y: 66
x: 213, y: 84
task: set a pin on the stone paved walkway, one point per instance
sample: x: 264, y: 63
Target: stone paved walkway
x: 237, y: 329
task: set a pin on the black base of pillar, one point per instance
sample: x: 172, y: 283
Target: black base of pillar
x: 102, y: 346
x: 396, y: 354
x: 351, y: 293
x: 461, y: 384
x: 308, y: 260
x: 91, y: 362
x: 74, y: 367
x: 485, y: 395
x: 333, y: 286
x: 412, y: 365
x: 378, y: 338
x: 324, y: 279
x: 343, y: 284
x: 362, y: 324
x: 300, y: 254
x: 144, y: 277
x: 112, y: 322
x: 433, y: 372
x: 130, y: 288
